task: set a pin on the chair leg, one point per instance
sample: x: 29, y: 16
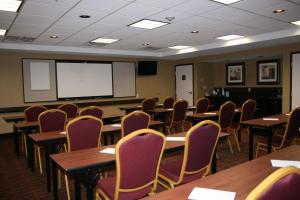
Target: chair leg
x: 257, y: 149
x: 67, y: 187
x: 229, y: 143
x: 25, y: 144
x: 237, y: 142
x: 40, y: 160
x: 59, y: 178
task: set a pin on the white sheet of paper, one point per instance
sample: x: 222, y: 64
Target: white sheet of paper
x: 236, y: 110
x: 209, y: 113
x: 116, y: 125
x: 175, y: 138
x: 210, y: 194
x: 108, y: 151
x: 270, y: 119
x: 288, y: 114
x: 63, y: 132
x: 285, y: 163
x: 170, y: 109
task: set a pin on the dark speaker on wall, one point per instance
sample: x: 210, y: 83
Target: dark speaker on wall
x: 147, y: 68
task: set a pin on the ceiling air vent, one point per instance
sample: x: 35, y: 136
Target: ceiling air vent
x: 18, y: 39
x: 150, y: 48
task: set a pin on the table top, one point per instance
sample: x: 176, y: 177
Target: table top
x: 137, y: 107
x: 210, y: 114
x: 169, y: 110
x: 269, y: 121
x: 241, y: 179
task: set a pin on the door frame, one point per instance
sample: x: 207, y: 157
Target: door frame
x: 193, y: 70
x: 291, y: 78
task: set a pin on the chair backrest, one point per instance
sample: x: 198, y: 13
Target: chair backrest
x: 226, y: 114
x: 52, y: 120
x: 281, y: 184
x: 138, y: 157
x: 84, y: 132
x: 134, y: 121
x: 248, y: 109
x: 32, y: 113
x: 292, y: 128
x: 200, y: 144
x: 148, y: 104
x: 92, y: 111
x: 179, y: 111
x: 70, y: 109
x: 202, y: 105
x: 168, y: 102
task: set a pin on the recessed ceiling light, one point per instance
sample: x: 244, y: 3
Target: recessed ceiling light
x: 194, y: 31
x: 178, y: 47
x: 11, y: 5
x: 146, y: 44
x: 170, y: 18
x: 84, y: 16
x: 148, y: 24
x: 230, y: 37
x: 2, y: 31
x: 278, y: 11
x: 296, y: 22
x: 104, y: 40
x: 53, y: 36
x: 226, y: 1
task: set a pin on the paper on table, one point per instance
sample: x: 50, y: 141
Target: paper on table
x: 285, y: 163
x: 270, y: 119
x: 236, y: 110
x: 175, y: 138
x: 63, y: 132
x: 116, y: 125
x: 209, y: 113
x: 170, y: 109
x: 108, y: 151
x: 210, y: 194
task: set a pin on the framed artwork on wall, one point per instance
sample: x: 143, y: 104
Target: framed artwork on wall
x: 268, y: 72
x: 235, y: 74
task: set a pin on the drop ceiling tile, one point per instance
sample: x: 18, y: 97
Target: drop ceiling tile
x: 125, y: 32
x: 34, y: 20
x: 65, y: 3
x: 46, y: 40
x: 25, y: 30
x: 102, y: 28
x: 102, y: 6
x: 7, y: 16
x: 74, y: 23
x: 197, y: 7
x: 140, y: 11
x: 161, y: 4
x: 254, y: 5
x: 170, y: 13
x: 61, y: 30
x: 4, y: 24
x: 118, y: 20
x: 75, y: 13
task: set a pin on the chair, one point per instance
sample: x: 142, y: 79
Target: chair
x: 281, y: 184
x: 50, y: 120
x: 138, y: 157
x: 289, y: 136
x: 226, y: 115
x: 31, y: 115
x: 92, y: 111
x: 248, y: 109
x: 147, y: 105
x: 70, y: 109
x: 178, y: 117
x: 134, y: 121
x: 202, y: 105
x: 82, y: 133
x: 168, y: 102
x: 199, y: 147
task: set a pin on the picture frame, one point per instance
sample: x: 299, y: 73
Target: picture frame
x: 235, y: 74
x: 268, y: 72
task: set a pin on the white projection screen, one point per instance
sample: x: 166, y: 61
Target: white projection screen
x: 295, y: 73
x: 83, y: 79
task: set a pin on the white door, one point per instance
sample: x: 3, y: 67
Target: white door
x: 295, y: 80
x: 184, y: 83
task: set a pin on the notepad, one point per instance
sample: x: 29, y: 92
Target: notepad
x: 236, y: 110
x: 288, y: 114
x: 116, y: 125
x: 175, y: 138
x: 285, y: 163
x: 270, y: 119
x: 209, y: 113
x: 63, y: 132
x: 108, y: 151
x: 210, y: 194
x: 170, y: 109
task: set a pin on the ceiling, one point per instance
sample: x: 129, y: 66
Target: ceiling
x: 31, y: 27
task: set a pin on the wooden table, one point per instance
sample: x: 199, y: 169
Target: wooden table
x: 28, y: 127
x: 81, y: 163
x: 129, y: 109
x: 49, y: 140
x: 264, y: 128
x: 241, y: 179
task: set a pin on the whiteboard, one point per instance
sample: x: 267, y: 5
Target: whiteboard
x: 295, y: 94
x: 124, y: 79
x: 39, y: 76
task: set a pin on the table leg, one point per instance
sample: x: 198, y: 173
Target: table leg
x: 30, y: 151
x: 214, y: 162
x: 77, y: 188
x: 54, y: 181
x: 251, y: 143
x: 16, y: 140
x: 270, y: 134
x: 240, y: 135
x: 112, y: 139
x: 105, y: 139
x: 48, y: 175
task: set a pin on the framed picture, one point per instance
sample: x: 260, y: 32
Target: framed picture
x: 235, y: 74
x: 268, y: 72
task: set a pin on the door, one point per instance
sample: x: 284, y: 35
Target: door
x: 184, y: 83
x: 295, y: 72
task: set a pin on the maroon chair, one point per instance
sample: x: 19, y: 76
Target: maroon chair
x: 50, y: 120
x: 138, y: 157
x: 200, y: 144
x: 178, y: 117
x: 289, y: 136
x: 134, y: 121
x: 202, y: 105
x: 147, y: 105
x: 92, y: 111
x: 226, y: 114
x: 281, y: 184
x: 70, y: 109
x: 168, y: 102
